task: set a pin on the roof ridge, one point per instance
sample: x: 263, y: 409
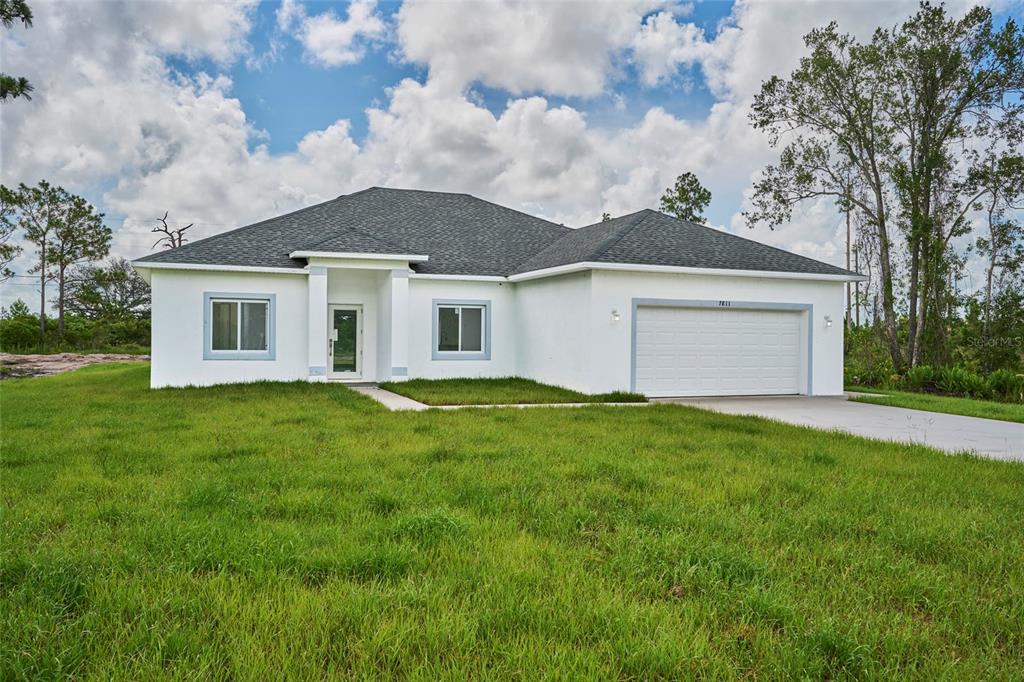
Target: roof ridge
x: 462, y: 194
x: 514, y: 210
x: 411, y: 189
x: 612, y: 241
x: 572, y: 232
x: 358, y: 191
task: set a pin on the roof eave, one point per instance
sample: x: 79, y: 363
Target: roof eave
x: 716, y: 272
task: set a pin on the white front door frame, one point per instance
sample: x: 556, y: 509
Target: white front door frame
x: 331, y: 339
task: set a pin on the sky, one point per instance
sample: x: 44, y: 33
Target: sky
x: 224, y: 113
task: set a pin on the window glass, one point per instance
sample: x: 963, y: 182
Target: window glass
x: 447, y: 328
x: 254, y: 325
x: 225, y: 325
x: 346, y: 324
x: 472, y: 329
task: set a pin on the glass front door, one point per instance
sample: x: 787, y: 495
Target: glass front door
x: 346, y: 341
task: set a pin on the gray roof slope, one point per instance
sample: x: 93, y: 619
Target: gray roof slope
x: 463, y: 235
x: 460, y: 233
x: 652, y: 238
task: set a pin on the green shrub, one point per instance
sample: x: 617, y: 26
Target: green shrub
x: 960, y: 381
x: 920, y: 378
x: 867, y: 359
x: 1006, y: 386
x: 1003, y: 385
x: 19, y: 333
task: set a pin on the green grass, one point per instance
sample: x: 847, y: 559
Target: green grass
x: 505, y: 391
x: 275, y: 531
x: 989, y: 409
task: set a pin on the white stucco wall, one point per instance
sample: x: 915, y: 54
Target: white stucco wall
x: 610, y: 342
x: 557, y: 330
x: 554, y: 321
x: 505, y: 332
x: 177, y: 337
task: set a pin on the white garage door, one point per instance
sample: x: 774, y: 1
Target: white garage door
x: 717, y: 351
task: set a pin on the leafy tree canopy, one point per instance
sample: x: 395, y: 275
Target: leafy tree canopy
x: 11, y: 12
x: 687, y: 199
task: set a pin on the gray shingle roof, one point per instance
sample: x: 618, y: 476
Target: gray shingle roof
x: 463, y: 235
x: 460, y: 233
x: 651, y: 238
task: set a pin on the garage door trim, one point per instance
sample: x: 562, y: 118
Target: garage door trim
x: 723, y: 305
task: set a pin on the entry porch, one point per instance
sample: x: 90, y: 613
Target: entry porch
x: 358, y: 316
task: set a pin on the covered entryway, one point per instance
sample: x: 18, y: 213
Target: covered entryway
x: 719, y: 349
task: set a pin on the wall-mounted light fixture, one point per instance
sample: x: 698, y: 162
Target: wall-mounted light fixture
x: 828, y: 320
x: 615, y: 316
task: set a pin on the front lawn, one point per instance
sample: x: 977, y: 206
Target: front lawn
x: 274, y: 531
x: 1009, y: 412
x: 505, y: 391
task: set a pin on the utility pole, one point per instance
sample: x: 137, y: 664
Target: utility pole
x: 849, y: 308
x: 856, y: 296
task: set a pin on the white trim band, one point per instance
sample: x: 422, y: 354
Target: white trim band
x: 460, y: 278
x: 412, y: 258
x: 223, y: 268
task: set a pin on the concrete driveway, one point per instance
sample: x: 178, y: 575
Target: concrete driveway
x: 949, y: 432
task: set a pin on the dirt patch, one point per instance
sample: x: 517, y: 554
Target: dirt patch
x: 13, y: 366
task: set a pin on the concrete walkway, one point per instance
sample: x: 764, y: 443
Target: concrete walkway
x: 390, y: 400
x: 949, y: 432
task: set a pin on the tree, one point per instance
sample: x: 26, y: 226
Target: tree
x: 111, y: 292
x: 40, y: 209
x: 80, y: 235
x: 605, y: 217
x: 11, y: 11
x: 687, y: 199
x: 882, y: 128
x: 1002, y: 182
x: 946, y: 84
x: 172, y: 239
x: 18, y: 309
x: 8, y: 214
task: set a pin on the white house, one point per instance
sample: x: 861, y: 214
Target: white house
x: 388, y: 284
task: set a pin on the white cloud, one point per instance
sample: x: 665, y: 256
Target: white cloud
x: 662, y: 45
x: 328, y: 40
x: 288, y: 13
x: 559, y: 48
x: 216, y: 29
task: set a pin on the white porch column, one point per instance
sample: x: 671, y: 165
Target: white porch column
x: 399, y: 324
x: 317, y: 323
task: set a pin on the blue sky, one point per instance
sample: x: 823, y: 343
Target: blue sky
x: 289, y: 96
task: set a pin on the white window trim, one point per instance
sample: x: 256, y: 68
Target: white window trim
x: 209, y: 297
x: 485, y: 352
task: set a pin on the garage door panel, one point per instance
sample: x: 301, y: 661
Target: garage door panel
x: 711, y: 351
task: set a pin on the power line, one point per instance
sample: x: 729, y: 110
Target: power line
x: 173, y: 222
